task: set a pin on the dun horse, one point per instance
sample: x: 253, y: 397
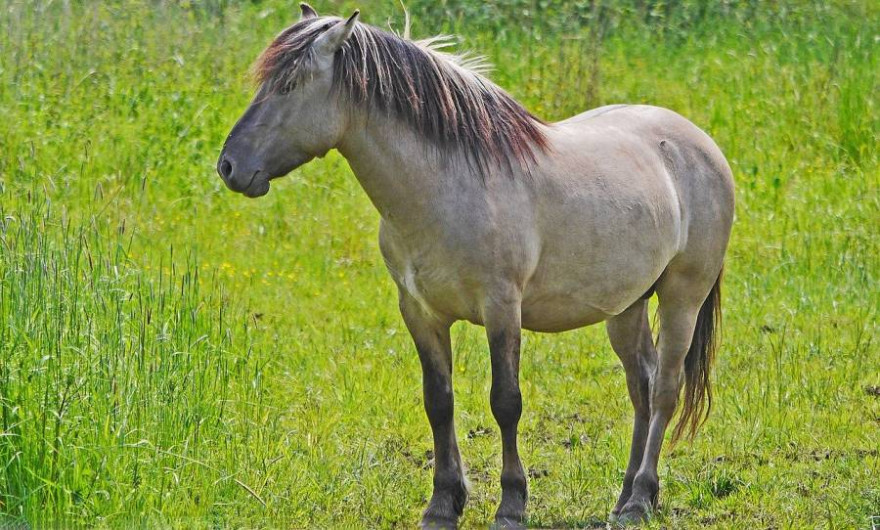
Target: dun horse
x: 493, y: 216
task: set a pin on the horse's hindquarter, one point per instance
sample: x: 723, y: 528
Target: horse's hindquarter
x: 610, y: 213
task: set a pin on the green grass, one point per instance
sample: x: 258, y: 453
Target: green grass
x: 174, y: 355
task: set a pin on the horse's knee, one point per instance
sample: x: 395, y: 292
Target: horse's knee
x: 438, y: 396
x: 506, y: 403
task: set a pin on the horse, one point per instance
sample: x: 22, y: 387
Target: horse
x: 494, y: 216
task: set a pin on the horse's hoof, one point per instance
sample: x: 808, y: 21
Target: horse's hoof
x: 511, y: 512
x: 507, y: 523
x: 631, y: 515
x: 438, y: 523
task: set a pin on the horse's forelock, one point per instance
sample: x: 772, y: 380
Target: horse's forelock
x: 289, y: 48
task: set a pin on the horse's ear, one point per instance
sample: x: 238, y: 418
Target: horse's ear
x: 333, y: 39
x: 307, y: 12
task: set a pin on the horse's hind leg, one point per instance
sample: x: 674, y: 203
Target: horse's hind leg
x: 435, y: 352
x: 684, y: 295
x: 630, y: 337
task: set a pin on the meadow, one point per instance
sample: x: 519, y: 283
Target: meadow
x: 175, y: 355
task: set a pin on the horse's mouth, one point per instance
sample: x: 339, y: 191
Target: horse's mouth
x: 258, y: 187
x: 259, y: 182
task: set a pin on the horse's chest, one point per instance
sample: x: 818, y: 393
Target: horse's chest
x: 438, y: 278
x: 439, y: 289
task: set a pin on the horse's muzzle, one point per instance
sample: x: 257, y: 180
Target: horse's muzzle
x: 250, y: 183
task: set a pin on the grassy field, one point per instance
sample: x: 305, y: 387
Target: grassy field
x: 175, y: 355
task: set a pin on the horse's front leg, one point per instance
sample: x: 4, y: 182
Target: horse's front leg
x: 431, y: 338
x: 502, y: 322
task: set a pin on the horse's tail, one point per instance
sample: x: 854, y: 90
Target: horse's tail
x: 698, y: 366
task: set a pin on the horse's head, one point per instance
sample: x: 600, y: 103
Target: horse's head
x: 293, y: 116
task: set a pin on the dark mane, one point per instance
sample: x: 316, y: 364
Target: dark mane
x: 440, y: 95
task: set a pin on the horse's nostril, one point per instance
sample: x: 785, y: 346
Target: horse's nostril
x: 225, y: 168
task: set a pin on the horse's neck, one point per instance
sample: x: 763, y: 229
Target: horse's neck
x: 404, y: 176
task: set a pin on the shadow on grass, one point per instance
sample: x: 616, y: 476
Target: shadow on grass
x: 590, y: 522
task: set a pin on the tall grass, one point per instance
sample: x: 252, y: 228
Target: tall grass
x: 119, y: 385
x: 174, y: 355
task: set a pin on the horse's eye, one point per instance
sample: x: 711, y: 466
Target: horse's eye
x: 286, y: 88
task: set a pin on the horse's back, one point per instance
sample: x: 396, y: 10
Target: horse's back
x: 656, y: 130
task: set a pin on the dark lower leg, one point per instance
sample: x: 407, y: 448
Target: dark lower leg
x: 435, y: 353
x: 506, y: 402
x: 636, y: 454
x: 646, y: 484
x: 450, y: 493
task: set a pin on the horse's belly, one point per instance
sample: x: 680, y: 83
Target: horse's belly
x: 558, y: 297
x: 563, y: 297
x: 566, y: 306
x: 559, y: 314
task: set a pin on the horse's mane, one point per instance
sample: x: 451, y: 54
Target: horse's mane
x: 443, y: 96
